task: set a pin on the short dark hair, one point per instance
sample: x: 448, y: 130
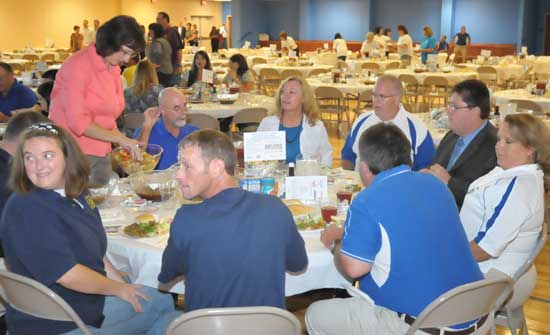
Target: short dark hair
x: 387, y: 30
x: 378, y: 29
x: 214, y: 145
x: 165, y: 16
x: 119, y: 31
x: 157, y: 30
x: 21, y: 122
x: 76, y: 27
x: 6, y: 67
x: 337, y: 35
x: 475, y: 94
x: 45, y: 91
x: 77, y: 167
x: 50, y: 74
x: 243, y: 65
x: 384, y: 146
x: 403, y: 28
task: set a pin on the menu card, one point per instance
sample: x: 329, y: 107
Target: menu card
x: 264, y: 146
x: 306, y: 188
x: 208, y: 76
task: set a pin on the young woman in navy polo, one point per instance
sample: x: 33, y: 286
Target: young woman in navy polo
x: 52, y: 233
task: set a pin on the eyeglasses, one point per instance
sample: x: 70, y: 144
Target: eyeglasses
x: 381, y: 96
x: 455, y: 108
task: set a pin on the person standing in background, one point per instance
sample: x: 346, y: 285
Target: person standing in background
x: 89, y: 34
x: 182, y: 31
x: 214, y: 39
x: 76, y: 39
x: 223, y: 37
x: 96, y: 27
x: 188, y: 33
x: 428, y: 45
x: 340, y: 46
x: 404, y: 44
x: 195, y: 36
x: 174, y: 39
x: 462, y: 42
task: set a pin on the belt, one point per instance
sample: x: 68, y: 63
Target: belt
x: 436, y: 331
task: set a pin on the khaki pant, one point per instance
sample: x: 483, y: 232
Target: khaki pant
x: 353, y: 316
x: 462, y: 50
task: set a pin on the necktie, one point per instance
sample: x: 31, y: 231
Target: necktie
x: 457, y: 151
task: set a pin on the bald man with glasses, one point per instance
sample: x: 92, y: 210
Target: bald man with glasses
x: 387, y: 95
x: 467, y: 151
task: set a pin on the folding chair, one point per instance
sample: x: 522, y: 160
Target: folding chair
x: 203, y: 121
x: 511, y: 313
x: 31, y: 297
x: 526, y: 105
x: 437, y: 92
x: 331, y: 101
x: 291, y: 73
x: 236, y: 320
x: 464, y: 303
x: 250, y: 118
x: 270, y: 79
x: 488, y: 75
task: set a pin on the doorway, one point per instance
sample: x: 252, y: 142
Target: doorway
x: 547, y: 34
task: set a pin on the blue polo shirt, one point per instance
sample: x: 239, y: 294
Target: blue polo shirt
x: 19, y: 96
x: 169, y: 143
x: 406, y: 225
x: 233, y: 250
x: 46, y: 242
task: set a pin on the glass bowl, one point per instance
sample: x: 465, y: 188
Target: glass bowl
x: 100, y: 193
x: 151, y: 185
x: 150, y: 158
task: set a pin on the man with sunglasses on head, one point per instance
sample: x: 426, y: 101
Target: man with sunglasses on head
x: 387, y: 95
x: 467, y: 151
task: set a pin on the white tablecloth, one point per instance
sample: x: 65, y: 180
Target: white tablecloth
x: 141, y: 259
x: 381, y: 63
x: 453, y: 77
x: 502, y: 97
x: 219, y: 111
x: 40, y: 55
x: 504, y: 72
x: 353, y: 86
x: 304, y: 69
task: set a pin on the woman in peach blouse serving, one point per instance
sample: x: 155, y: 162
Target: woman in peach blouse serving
x: 88, y: 97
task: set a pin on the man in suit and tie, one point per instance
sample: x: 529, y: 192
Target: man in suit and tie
x: 467, y: 152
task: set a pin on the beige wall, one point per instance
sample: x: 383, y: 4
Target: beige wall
x: 179, y: 10
x: 24, y: 21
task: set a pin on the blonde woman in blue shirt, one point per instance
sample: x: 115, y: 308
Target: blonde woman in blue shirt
x: 297, y: 114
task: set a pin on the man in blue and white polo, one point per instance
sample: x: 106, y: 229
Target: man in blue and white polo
x: 389, y: 244
x: 387, y: 96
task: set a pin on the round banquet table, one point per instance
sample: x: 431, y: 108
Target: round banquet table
x: 220, y: 111
x: 453, y: 77
x: 354, y: 86
x: 502, y: 97
x: 305, y: 70
x: 141, y: 258
x: 504, y: 72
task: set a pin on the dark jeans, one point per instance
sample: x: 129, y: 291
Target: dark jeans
x: 165, y: 79
x: 215, y: 43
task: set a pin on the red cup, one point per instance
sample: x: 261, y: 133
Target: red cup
x: 328, y: 212
x: 233, y: 89
x: 344, y: 195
